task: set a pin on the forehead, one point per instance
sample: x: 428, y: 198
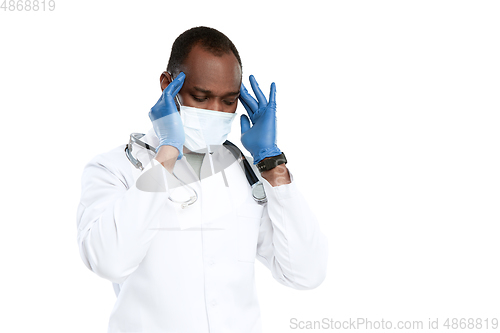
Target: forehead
x: 219, y: 74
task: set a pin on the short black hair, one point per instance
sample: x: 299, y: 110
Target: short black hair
x: 210, y: 39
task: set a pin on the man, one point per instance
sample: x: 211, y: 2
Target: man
x: 179, y: 237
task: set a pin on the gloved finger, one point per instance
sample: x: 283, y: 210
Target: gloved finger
x: 161, y: 101
x: 155, y: 110
x: 244, y: 123
x: 258, y: 93
x: 272, y: 94
x: 176, y: 85
x: 249, y: 100
x: 245, y: 105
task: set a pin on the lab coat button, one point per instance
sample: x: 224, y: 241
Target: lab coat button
x: 214, y: 303
x: 211, y: 262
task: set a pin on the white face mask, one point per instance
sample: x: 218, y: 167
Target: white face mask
x: 203, y: 128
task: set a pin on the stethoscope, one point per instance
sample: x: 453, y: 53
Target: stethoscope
x: 258, y: 193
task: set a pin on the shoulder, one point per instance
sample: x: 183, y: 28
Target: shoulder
x: 111, y: 159
x: 112, y: 163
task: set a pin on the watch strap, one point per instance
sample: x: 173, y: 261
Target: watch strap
x: 271, y: 162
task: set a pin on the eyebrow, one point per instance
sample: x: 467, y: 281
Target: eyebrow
x: 209, y: 92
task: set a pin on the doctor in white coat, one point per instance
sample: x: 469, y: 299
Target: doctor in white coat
x: 190, y: 268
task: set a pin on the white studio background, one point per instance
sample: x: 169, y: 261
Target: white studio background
x: 388, y: 112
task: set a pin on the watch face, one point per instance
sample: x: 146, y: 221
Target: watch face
x: 272, y: 162
x: 263, y: 165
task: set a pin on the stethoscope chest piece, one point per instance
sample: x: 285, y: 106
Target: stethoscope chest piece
x: 258, y: 193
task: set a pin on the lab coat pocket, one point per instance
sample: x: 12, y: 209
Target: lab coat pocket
x: 248, y: 234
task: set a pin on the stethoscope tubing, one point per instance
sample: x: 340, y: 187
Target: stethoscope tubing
x: 258, y: 192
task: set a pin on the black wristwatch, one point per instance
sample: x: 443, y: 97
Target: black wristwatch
x: 271, y: 162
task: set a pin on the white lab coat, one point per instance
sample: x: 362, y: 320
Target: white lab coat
x: 191, y: 270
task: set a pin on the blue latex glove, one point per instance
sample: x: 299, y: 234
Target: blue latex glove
x: 166, y: 120
x: 260, y: 139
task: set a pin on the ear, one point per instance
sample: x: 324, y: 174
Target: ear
x: 165, y: 80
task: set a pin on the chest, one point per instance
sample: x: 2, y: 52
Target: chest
x: 223, y: 222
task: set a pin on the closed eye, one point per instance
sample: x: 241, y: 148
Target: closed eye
x: 230, y: 102
x: 199, y: 99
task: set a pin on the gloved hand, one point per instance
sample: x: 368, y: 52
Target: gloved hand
x: 260, y: 139
x: 166, y: 120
